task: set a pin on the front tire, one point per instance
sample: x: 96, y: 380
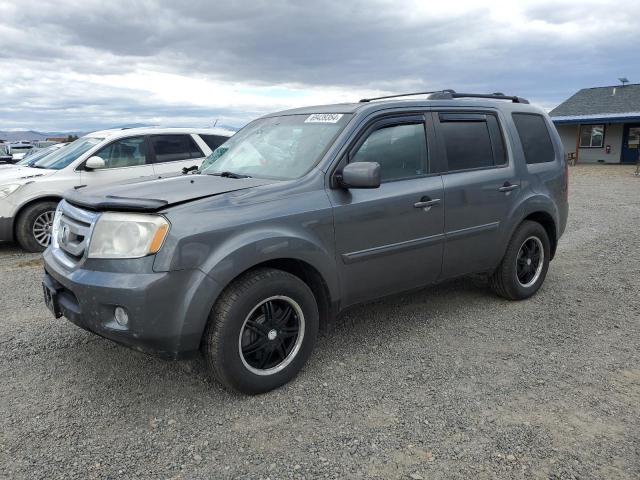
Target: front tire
x: 261, y: 331
x: 34, y: 224
x: 524, y: 266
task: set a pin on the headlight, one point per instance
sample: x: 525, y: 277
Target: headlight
x: 127, y: 235
x: 55, y: 228
x: 6, y: 190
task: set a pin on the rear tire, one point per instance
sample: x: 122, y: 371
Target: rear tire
x: 33, y: 227
x: 524, y: 266
x: 261, y: 331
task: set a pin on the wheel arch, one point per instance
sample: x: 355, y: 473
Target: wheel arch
x: 549, y: 224
x: 295, y: 252
x: 537, y: 208
x: 29, y: 203
x: 541, y: 210
x: 306, y: 272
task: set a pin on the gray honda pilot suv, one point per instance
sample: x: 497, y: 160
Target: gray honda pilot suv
x: 304, y: 213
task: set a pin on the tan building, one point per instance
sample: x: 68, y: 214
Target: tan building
x: 601, y: 124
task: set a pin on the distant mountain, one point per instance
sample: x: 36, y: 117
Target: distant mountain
x: 32, y: 135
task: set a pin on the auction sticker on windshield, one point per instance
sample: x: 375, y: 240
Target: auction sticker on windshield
x: 323, y: 118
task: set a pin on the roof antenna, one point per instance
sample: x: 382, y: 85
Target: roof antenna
x: 623, y: 80
x: 215, y: 123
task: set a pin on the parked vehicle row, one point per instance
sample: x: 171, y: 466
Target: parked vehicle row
x: 30, y: 192
x: 5, y: 154
x: 300, y: 215
x: 19, y: 149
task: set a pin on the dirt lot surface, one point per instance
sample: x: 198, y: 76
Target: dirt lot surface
x: 448, y: 382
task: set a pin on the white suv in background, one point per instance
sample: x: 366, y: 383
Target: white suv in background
x: 29, y: 194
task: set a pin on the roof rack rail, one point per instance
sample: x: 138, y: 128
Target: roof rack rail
x: 365, y: 100
x: 451, y: 94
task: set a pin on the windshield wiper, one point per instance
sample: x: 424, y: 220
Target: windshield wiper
x: 192, y: 168
x: 230, y: 175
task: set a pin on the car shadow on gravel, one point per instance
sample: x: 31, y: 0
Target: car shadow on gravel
x: 103, y: 364
x: 8, y: 248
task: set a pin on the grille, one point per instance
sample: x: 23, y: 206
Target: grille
x: 74, y: 233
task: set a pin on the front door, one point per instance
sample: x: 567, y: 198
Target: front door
x: 631, y: 144
x: 124, y: 159
x: 388, y: 239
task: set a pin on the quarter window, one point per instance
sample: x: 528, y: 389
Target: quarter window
x: 472, y: 140
x: 214, y: 141
x: 126, y: 152
x: 401, y: 151
x: 591, y: 136
x: 534, y: 137
x: 172, y: 148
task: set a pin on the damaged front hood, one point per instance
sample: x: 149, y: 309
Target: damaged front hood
x: 153, y: 195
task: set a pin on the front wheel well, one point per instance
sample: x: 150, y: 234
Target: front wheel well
x: 546, y: 220
x: 309, y: 275
x: 50, y: 198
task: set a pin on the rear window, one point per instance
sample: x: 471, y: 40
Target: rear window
x: 172, y: 148
x: 534, y: 137
x: 213, y: 141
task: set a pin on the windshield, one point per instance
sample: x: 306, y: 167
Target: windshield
x: 63, y: 157
x: 281, y: 148
x: 37, y: 155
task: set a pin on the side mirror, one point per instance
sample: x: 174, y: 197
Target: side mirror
x: 94, y: 163
x: 360, y: 175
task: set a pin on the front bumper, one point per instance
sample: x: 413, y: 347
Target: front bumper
x: 6, y: 229
x: 7, y: 216
x: 168, y: 311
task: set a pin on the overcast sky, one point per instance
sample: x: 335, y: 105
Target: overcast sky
x: 82, y: 65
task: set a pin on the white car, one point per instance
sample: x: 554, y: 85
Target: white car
x: 29, y: 194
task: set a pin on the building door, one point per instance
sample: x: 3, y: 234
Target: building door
x: 630, y: 143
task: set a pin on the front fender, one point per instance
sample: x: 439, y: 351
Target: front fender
x: 246, y: 250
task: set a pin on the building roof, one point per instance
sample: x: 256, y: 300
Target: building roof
x: 611, y: 103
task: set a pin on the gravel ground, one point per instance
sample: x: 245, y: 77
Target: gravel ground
x: 447, y: 382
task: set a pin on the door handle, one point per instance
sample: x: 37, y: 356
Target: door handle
x: 507, y: 187
x: 426, y: 203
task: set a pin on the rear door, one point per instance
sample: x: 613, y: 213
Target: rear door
x: 173, y: 152
x: 125, y: 159
x: 481, y: 187
x: 388, y: 239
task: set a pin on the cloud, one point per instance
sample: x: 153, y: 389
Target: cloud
x: 88, y: 64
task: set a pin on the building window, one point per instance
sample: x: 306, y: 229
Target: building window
x: 591, y: 136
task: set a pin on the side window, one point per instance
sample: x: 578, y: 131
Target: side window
x: 472, y: 140
x: 534, y: 136
x: 213, y: 141
x: 126, y: 152
x: 401, y: 151
x: 172, y: 148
